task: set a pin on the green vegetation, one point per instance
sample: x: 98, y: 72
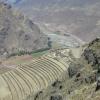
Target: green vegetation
x: 36, y: 53
x: 40, y: 52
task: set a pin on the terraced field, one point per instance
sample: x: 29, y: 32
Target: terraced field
x: 24, y: 81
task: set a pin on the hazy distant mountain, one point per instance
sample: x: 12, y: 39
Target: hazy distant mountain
x: 78, y: 17
x: 11, y: 1
x: 44, y: 3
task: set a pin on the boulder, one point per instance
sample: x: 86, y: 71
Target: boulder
x: 73, y: 69
x: 56, y: 97
x: 98, y: 84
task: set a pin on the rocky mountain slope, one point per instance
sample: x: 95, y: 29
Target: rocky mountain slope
x: 59, y: 74
x: 71, y: 73
x: 17, y: 32
x: 82, y: 79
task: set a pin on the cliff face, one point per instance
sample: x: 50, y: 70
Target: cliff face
x: 18, y: 32
x: 92, y: 53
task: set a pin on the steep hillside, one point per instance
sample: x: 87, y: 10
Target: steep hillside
x: 81, y: 81
x: 61, y: 74
x: 17, y: 32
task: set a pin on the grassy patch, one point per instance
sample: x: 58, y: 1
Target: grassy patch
x: 36, y: 53
x: 39, y: 53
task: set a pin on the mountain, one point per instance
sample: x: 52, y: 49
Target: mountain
x: 46, y: 3
x: 11, y: 1
x: 59, y: 74
x: 77, y: 17
x: 81, y: 80
x: 70, y: 69
x: 18, y: 33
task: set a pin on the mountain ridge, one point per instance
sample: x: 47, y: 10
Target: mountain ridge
x: 80, y: 18
x: 17, y: 32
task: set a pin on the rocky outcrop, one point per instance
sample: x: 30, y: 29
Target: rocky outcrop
x: 74, y: 69
x: 56, y: 97
x: 92, y: 53
x: 82, y: 79
x: 98, y: 84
